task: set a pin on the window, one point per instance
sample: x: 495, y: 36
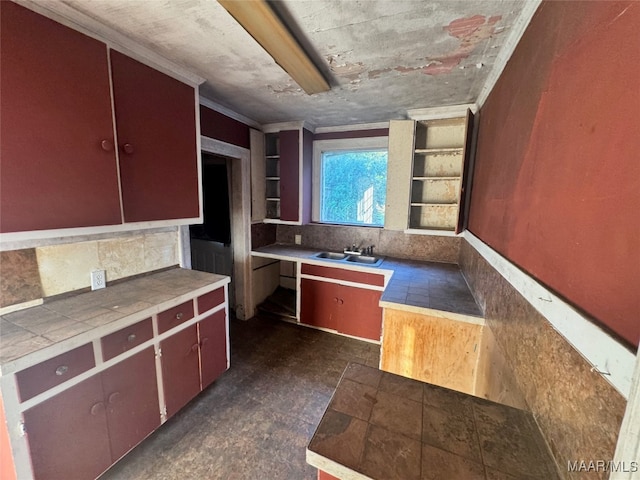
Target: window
x: 351, y: 185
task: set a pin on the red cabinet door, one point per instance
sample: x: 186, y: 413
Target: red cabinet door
x: 180, y: 369
x: 319, y: 302
x: 56, y: 114
x: 156, y: 126
x: 131, y: 395
x: 359, y: 313
x: 289, y: 175
x: 212, y: 333
x: 68, y: 435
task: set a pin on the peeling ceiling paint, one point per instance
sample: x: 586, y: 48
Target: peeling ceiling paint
x: 381, y: 57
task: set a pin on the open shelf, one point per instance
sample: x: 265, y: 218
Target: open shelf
x: 438, y: 159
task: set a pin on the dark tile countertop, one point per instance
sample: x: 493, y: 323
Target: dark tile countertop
x: 33, y: 329
x: 387, y: 427
x: 420, y: 286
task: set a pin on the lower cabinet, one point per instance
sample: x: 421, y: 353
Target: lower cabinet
x: 349, y: 310
x: 192, y: 359
x: 80, y: 432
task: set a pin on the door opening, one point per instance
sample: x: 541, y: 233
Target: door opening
x: 211, y: 242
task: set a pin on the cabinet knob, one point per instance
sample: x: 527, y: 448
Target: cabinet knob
x: 113, y: 398
x: 194, y: 348
x: 131, y: 338
x: 340, y: 301
x: 179, y: 315
x: 61, y: 370
x: 127, y: 148
x: 97, y: 408
x: 107, y: 145
x: 335, y: 299
x: 203, y: 341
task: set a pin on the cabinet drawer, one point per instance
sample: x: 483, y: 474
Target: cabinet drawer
x: 125, y: 339
x: 175, y: 316
x: 210, y: 300
x: 43, y: 376
x: 344, y: 274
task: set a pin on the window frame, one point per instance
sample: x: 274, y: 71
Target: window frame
x: 341, y: 144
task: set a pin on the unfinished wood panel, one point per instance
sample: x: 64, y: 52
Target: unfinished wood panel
x: 495, y: 380
x: 398, y: 174
x: 258, y: 176
x: 431, y: 349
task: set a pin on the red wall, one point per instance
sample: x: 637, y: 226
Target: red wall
x: 216, y: 125
x: 557, y: 176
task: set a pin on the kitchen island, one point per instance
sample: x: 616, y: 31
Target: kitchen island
x: 382, y: 426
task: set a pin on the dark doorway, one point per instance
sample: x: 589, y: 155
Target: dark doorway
x: 211, y: 242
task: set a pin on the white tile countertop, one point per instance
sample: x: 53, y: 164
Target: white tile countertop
x: 29, y: 334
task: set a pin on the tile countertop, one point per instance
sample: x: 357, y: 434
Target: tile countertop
x: 417, y: 286
x: 31, y: 330
x: 387, y: 427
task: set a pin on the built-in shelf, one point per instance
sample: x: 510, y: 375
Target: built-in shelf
x: 272, y: 170
x: 427, y: 151
x: 438, y: 159
x: 436, y: 178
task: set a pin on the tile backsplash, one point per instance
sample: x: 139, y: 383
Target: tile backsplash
x: 387, y: 242
x: 48, y: 270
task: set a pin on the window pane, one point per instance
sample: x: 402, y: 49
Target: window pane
x: 353, y: 187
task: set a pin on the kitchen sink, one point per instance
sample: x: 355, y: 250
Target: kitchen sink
x: 365, y: 259
x: 345, y: 257
x: 331, y: 255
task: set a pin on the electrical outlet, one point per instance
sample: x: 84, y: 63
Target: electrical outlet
x: 98, y: 279
x: 298, y: 239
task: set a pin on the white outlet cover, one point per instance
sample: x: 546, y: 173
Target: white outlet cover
x: 98, y: 279
x: 298, y: 239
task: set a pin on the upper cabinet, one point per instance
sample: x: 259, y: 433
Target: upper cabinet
x: 156, y: 127
x: 427, y: 175
x: 64, y: 165
x: 287, y: 176
x: 56, y: 136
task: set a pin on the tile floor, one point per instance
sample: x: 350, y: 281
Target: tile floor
x: 257, y: 419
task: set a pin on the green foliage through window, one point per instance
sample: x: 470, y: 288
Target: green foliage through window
x: 353, y: 187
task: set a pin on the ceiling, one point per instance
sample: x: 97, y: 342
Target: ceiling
x: 381, y: 57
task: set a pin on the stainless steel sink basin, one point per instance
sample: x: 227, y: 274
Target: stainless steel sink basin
x: 331, y: 255
x: 364, y: 259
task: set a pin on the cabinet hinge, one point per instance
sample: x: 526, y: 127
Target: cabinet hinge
x: 159, y: 353
x: 22, y: 429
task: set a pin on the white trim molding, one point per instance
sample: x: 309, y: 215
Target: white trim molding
x: 441, y: 113
x: 240, y: 196
x: 353, y: 128
x: 515, y: 34
x: 608, y: 357
x: 627, y: 453
x: 229, y: 113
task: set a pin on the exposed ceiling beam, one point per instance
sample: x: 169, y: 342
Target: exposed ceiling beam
x: 261, y: 22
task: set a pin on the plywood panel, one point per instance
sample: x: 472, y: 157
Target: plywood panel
x: 431, y: 349
x: 495, y: 380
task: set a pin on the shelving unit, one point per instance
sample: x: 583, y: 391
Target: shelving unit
x: 438, y: 164
x: 272, y: 178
